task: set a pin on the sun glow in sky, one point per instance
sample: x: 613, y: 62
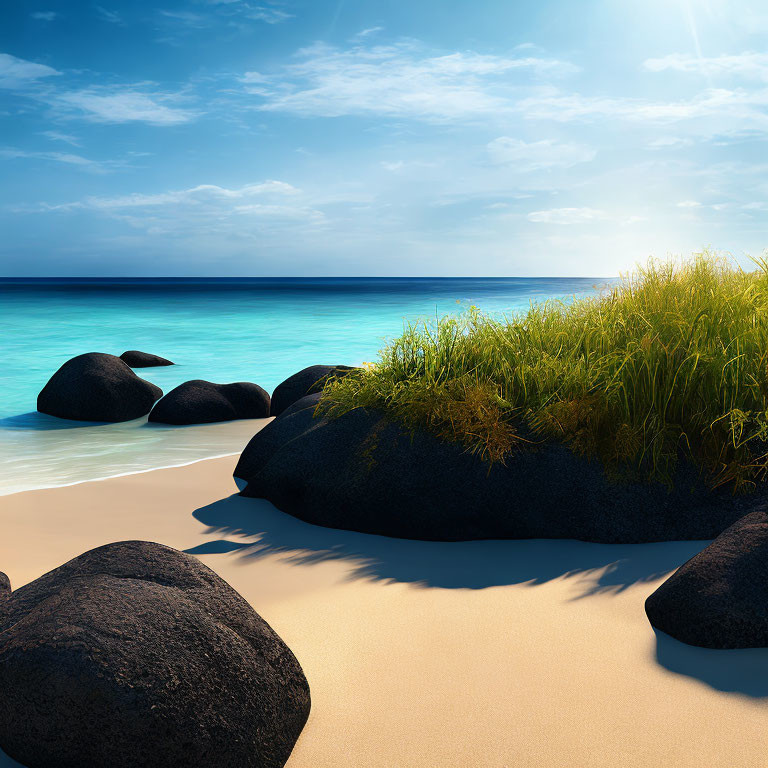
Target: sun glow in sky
x: 444, y: 137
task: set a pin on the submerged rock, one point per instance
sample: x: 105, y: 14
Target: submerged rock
x: 719, y: 598
x: 202, y: 402
x: 306, y: 382
x: 97, y: 387
x: 135, y: 654
x: 137, y: 359
x: 362, y: 472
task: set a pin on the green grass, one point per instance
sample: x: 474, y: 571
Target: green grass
x: 671, y: 362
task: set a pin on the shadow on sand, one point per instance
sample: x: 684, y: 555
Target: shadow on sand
x: 739, y: 670
x: 255, y: 529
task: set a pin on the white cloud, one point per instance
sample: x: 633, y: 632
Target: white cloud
x: 670, y: 142
x: 369, y: 32
x: 59, y: 136
x: 19, y: 73
x: 112, y: 17
x: 123, y: 106
x: 537, y: 155
x: 398, y: 80
x: 251, y: 11
x: 689, y: 204
x: 58, y: 157
x: 748, y: 65
x: 205, y: 210
x: 714, y: 102
x: 44, y: 15
x: 194, y: 198
x: 566, y: 216
x: 189, y: 19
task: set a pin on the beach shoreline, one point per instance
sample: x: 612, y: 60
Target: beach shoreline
x: 486, y: 653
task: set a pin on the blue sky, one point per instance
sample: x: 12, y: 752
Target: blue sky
x: 375, y: 137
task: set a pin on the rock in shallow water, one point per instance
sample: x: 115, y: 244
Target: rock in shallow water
x: 362, y: 472
x: 308, y: 381
x: 134, y: 655
x: 137, y: 359
x: 719, y: 598
x: 203, y: 402
x: 97, y: 387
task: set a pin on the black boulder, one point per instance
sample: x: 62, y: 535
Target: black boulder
x: 203, y: 402
x: 97, y: 387
x: 719, y: 598
x: 137, y: 359
x: 135, y: 655
x: 308, y: 381
x: 365, y: 473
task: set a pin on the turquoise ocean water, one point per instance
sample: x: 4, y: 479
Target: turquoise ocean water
x: 223, y: 330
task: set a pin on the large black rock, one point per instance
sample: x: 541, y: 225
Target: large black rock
x: 365, y: 473
x: 719, y: 598
x: 137, y: 359
x: 135, y: 655
x: 202, y: 402
x: 308, y: 381
x: 97, y: 387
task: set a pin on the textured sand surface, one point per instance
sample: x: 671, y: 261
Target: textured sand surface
x: 532, y: 653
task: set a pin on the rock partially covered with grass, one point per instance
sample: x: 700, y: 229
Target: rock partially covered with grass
x: 203, y: 402
x: 137, y: 359
x: 362, y: 471
x: 719, y: 598
x: 308, y: 381
x: 97, y: 387
x: 135, y: 654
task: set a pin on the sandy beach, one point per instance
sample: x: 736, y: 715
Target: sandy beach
x: 515, y: 653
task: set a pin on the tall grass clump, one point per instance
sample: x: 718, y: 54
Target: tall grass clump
x: 670, y: 363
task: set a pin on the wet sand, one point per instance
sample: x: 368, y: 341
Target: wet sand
x: 519, y: 653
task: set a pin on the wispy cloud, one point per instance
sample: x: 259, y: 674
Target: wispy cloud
x: 369, y: 32
x: 188, y: 18
x: 399, y: 80
x: 739, y: 104
x: 200, y: 195
x: 747, y: 65
x: 567, y: 216
x: 44, y: 15
x: 105, y: 105
x: 66, y: 158
x: 252, y: 11
x: 59, y: 136
x: 206, y: 209
x: 537, y: 155
x: 18, y: 73
x: 105, y: 14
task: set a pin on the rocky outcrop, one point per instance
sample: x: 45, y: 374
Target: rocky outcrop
x: 97, y: 387
x: 202, y: 402
x: 137, y: 359
x: 719, y: 598
x: 306, y: 382
x: 135, y: 655
x: 365, y: 473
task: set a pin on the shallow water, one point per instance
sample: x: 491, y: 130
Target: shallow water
x: 223, y: 330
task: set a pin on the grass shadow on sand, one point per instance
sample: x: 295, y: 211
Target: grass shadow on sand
x: 256, y: 529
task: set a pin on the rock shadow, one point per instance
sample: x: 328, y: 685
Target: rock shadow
x: 255, y: 529
x: 7, y: 762
x: 42, y: 422
x: 739, y: 670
